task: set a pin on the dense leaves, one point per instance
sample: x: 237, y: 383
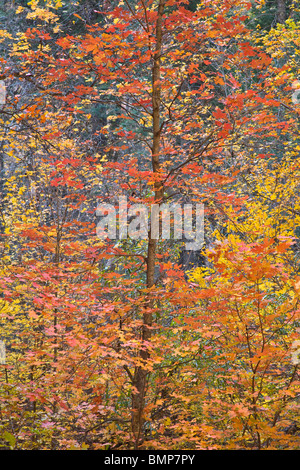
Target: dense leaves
x: 135, y: 342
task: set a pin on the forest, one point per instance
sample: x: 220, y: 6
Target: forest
x: 149, y: 225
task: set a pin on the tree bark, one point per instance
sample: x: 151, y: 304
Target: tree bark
x: 141, y: 373
x: 281, y: 11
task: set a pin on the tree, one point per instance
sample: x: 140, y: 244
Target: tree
x: 112, y: 344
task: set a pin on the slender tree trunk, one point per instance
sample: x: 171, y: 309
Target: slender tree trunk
x: 281, y: 11
x: 141, y: 373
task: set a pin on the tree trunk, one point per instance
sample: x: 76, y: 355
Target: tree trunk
x: 141, y: 373
x: 281, y: 11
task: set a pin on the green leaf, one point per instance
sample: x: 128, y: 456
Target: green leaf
x: 9, y: 438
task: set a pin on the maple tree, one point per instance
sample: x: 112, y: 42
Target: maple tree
x: 110, y: 344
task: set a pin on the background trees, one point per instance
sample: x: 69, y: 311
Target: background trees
x: 110, y: 343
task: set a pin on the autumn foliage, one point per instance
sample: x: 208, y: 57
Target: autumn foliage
x: 116, y: 344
